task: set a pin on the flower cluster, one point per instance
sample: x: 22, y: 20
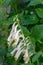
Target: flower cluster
x: 20, y: 43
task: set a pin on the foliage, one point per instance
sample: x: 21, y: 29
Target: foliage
x: 30, y: 14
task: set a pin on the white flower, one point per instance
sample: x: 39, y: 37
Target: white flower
x: 18, y: 54
x: 17, y: 48
x: 17, y: 38
x: 13, y: 27
x: 26, y: 57
x: 30, y: 54
x: 28, y: 45
x: 20, y: 43
x: 12, y: 34
x: 15, y: 35
x: 10, y: 38
x: 16, y: 26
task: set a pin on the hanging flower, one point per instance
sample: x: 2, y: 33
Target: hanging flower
x: 21, y: 43
x: 18, y: 54
x: 26, y: 56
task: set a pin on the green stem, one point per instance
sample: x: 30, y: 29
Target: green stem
x: 20, y: 26
x: 17, y: 16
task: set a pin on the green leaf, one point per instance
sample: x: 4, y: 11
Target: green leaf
x: 8, y: 22
x: 39, y: 12
x: 29, y: 19
x: 41, y: 21
x: 37, y: 32
x: 35, y: 2
x: 36, y: 57
x: 25, y: 31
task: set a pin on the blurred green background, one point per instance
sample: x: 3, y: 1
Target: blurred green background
x: 30, y: 14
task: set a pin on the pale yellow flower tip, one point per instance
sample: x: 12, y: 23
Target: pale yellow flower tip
x: 26, y: 60
x: 8, y: 43
x: 26, y: 57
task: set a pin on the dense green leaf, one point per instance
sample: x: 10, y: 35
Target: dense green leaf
x: 41, y: 21
x: 35, y: 57
x: 30, y: 14
x: 39, y: 12
x: 35, y: 2
x: 8, y: 22
x: 29, y: 19
x: 37, y: 32
x: 25, y: 31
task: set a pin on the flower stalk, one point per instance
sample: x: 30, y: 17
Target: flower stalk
x: 21, y: 44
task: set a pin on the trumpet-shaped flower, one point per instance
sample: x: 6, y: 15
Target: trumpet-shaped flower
x: 16, y: 38
x: 18, y: 54
x: 12, y: 34
x: 21, y: 43
x: 17, y: 48
x: 26, y: 56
